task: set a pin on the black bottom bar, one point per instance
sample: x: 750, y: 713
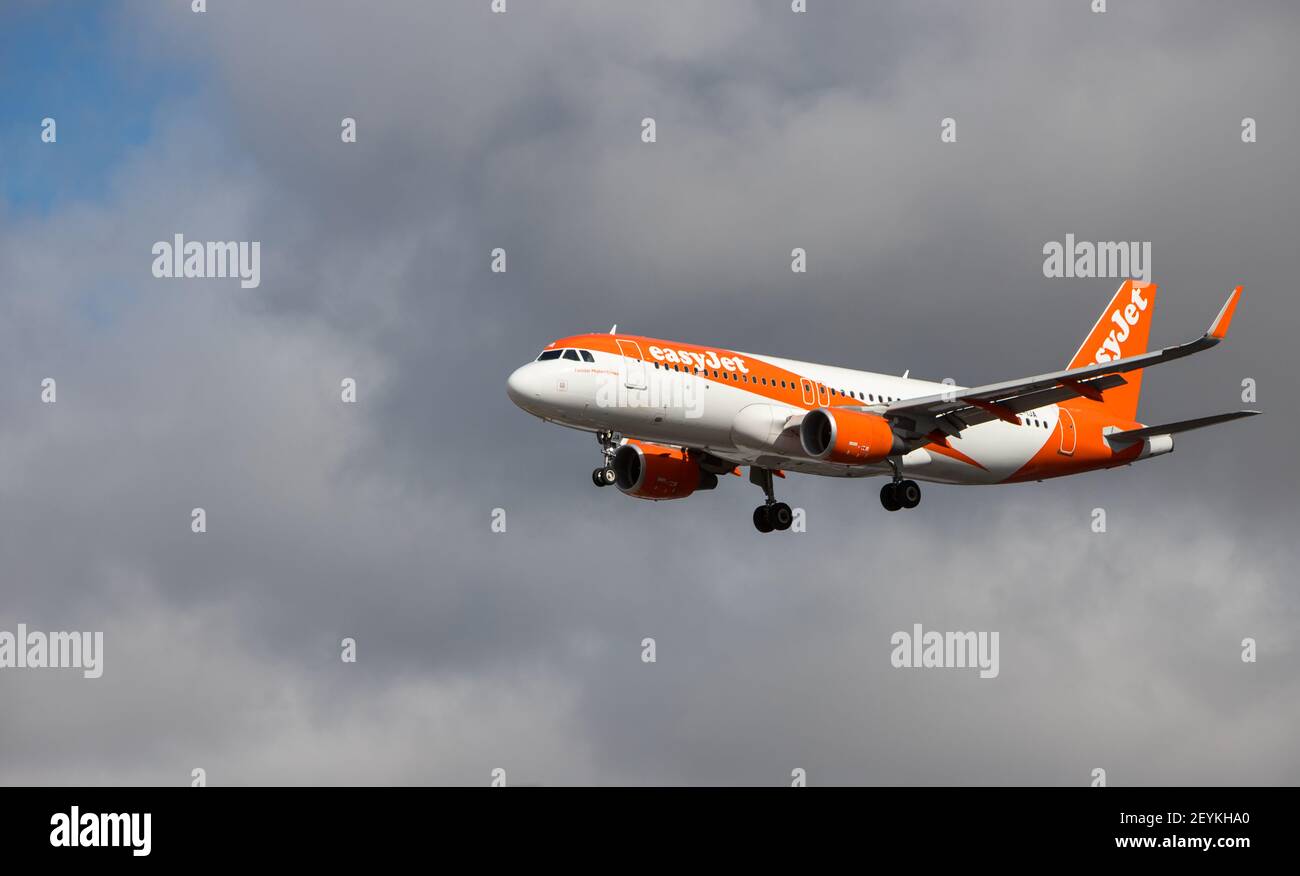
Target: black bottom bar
x: 334, y: 825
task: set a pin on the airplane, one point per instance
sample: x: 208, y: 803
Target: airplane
x: 672, y: 417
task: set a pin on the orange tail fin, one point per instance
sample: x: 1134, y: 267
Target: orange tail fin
x: 1121, y: 331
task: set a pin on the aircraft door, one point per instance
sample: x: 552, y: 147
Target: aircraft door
x: 633, y: 364
x: 1068, y: 436
x: 809, y: 396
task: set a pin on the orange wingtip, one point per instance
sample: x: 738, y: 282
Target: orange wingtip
x: 1219, y: 329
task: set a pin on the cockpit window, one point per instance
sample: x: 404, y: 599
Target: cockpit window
x: 587, y: 357
x: 549, y: 354
x: 572, y: 354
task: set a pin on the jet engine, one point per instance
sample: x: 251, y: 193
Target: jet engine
x: 849, y: 437
x: 653, y: 471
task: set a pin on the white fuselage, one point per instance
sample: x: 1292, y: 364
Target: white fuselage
x: 642, y: 398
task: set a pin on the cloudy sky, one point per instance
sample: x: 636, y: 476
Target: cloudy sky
x: 522, y: 650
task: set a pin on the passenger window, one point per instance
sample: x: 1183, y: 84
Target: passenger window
x: 549, y: 354
x: 587, y: 357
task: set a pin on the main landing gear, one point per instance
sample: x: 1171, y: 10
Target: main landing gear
x: 899, y: 493
x: 604, y: 476
x: 771, y: 514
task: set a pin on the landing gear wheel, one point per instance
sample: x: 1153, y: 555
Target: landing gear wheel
x: 781, y: 516
x: 763, y: 518
x: 596, y: 477
x: 908, y: 494
x: 889, y: 497
x: 607, y: 476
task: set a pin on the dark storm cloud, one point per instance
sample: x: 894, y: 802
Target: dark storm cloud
x: 522, y: 650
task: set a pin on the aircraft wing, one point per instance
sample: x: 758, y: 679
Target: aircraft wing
x: 951, y: 412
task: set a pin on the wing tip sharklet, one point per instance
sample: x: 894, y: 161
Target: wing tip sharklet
x: 1219, y: 328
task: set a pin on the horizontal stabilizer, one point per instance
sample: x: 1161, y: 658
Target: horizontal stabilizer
x: 1181, y: 426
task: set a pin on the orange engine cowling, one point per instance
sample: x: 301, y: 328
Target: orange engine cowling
x: 652, y: 471
x: 850, y: 437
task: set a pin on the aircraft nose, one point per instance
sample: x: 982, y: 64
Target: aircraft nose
x: 524, y: 385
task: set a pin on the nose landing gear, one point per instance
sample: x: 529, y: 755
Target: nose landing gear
x: 609, y: 441
x: 771, y: 515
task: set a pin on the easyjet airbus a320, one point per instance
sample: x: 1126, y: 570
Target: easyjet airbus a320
x: 671, y: 417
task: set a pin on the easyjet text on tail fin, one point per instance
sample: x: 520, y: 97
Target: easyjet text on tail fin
x: 1121, y: 331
